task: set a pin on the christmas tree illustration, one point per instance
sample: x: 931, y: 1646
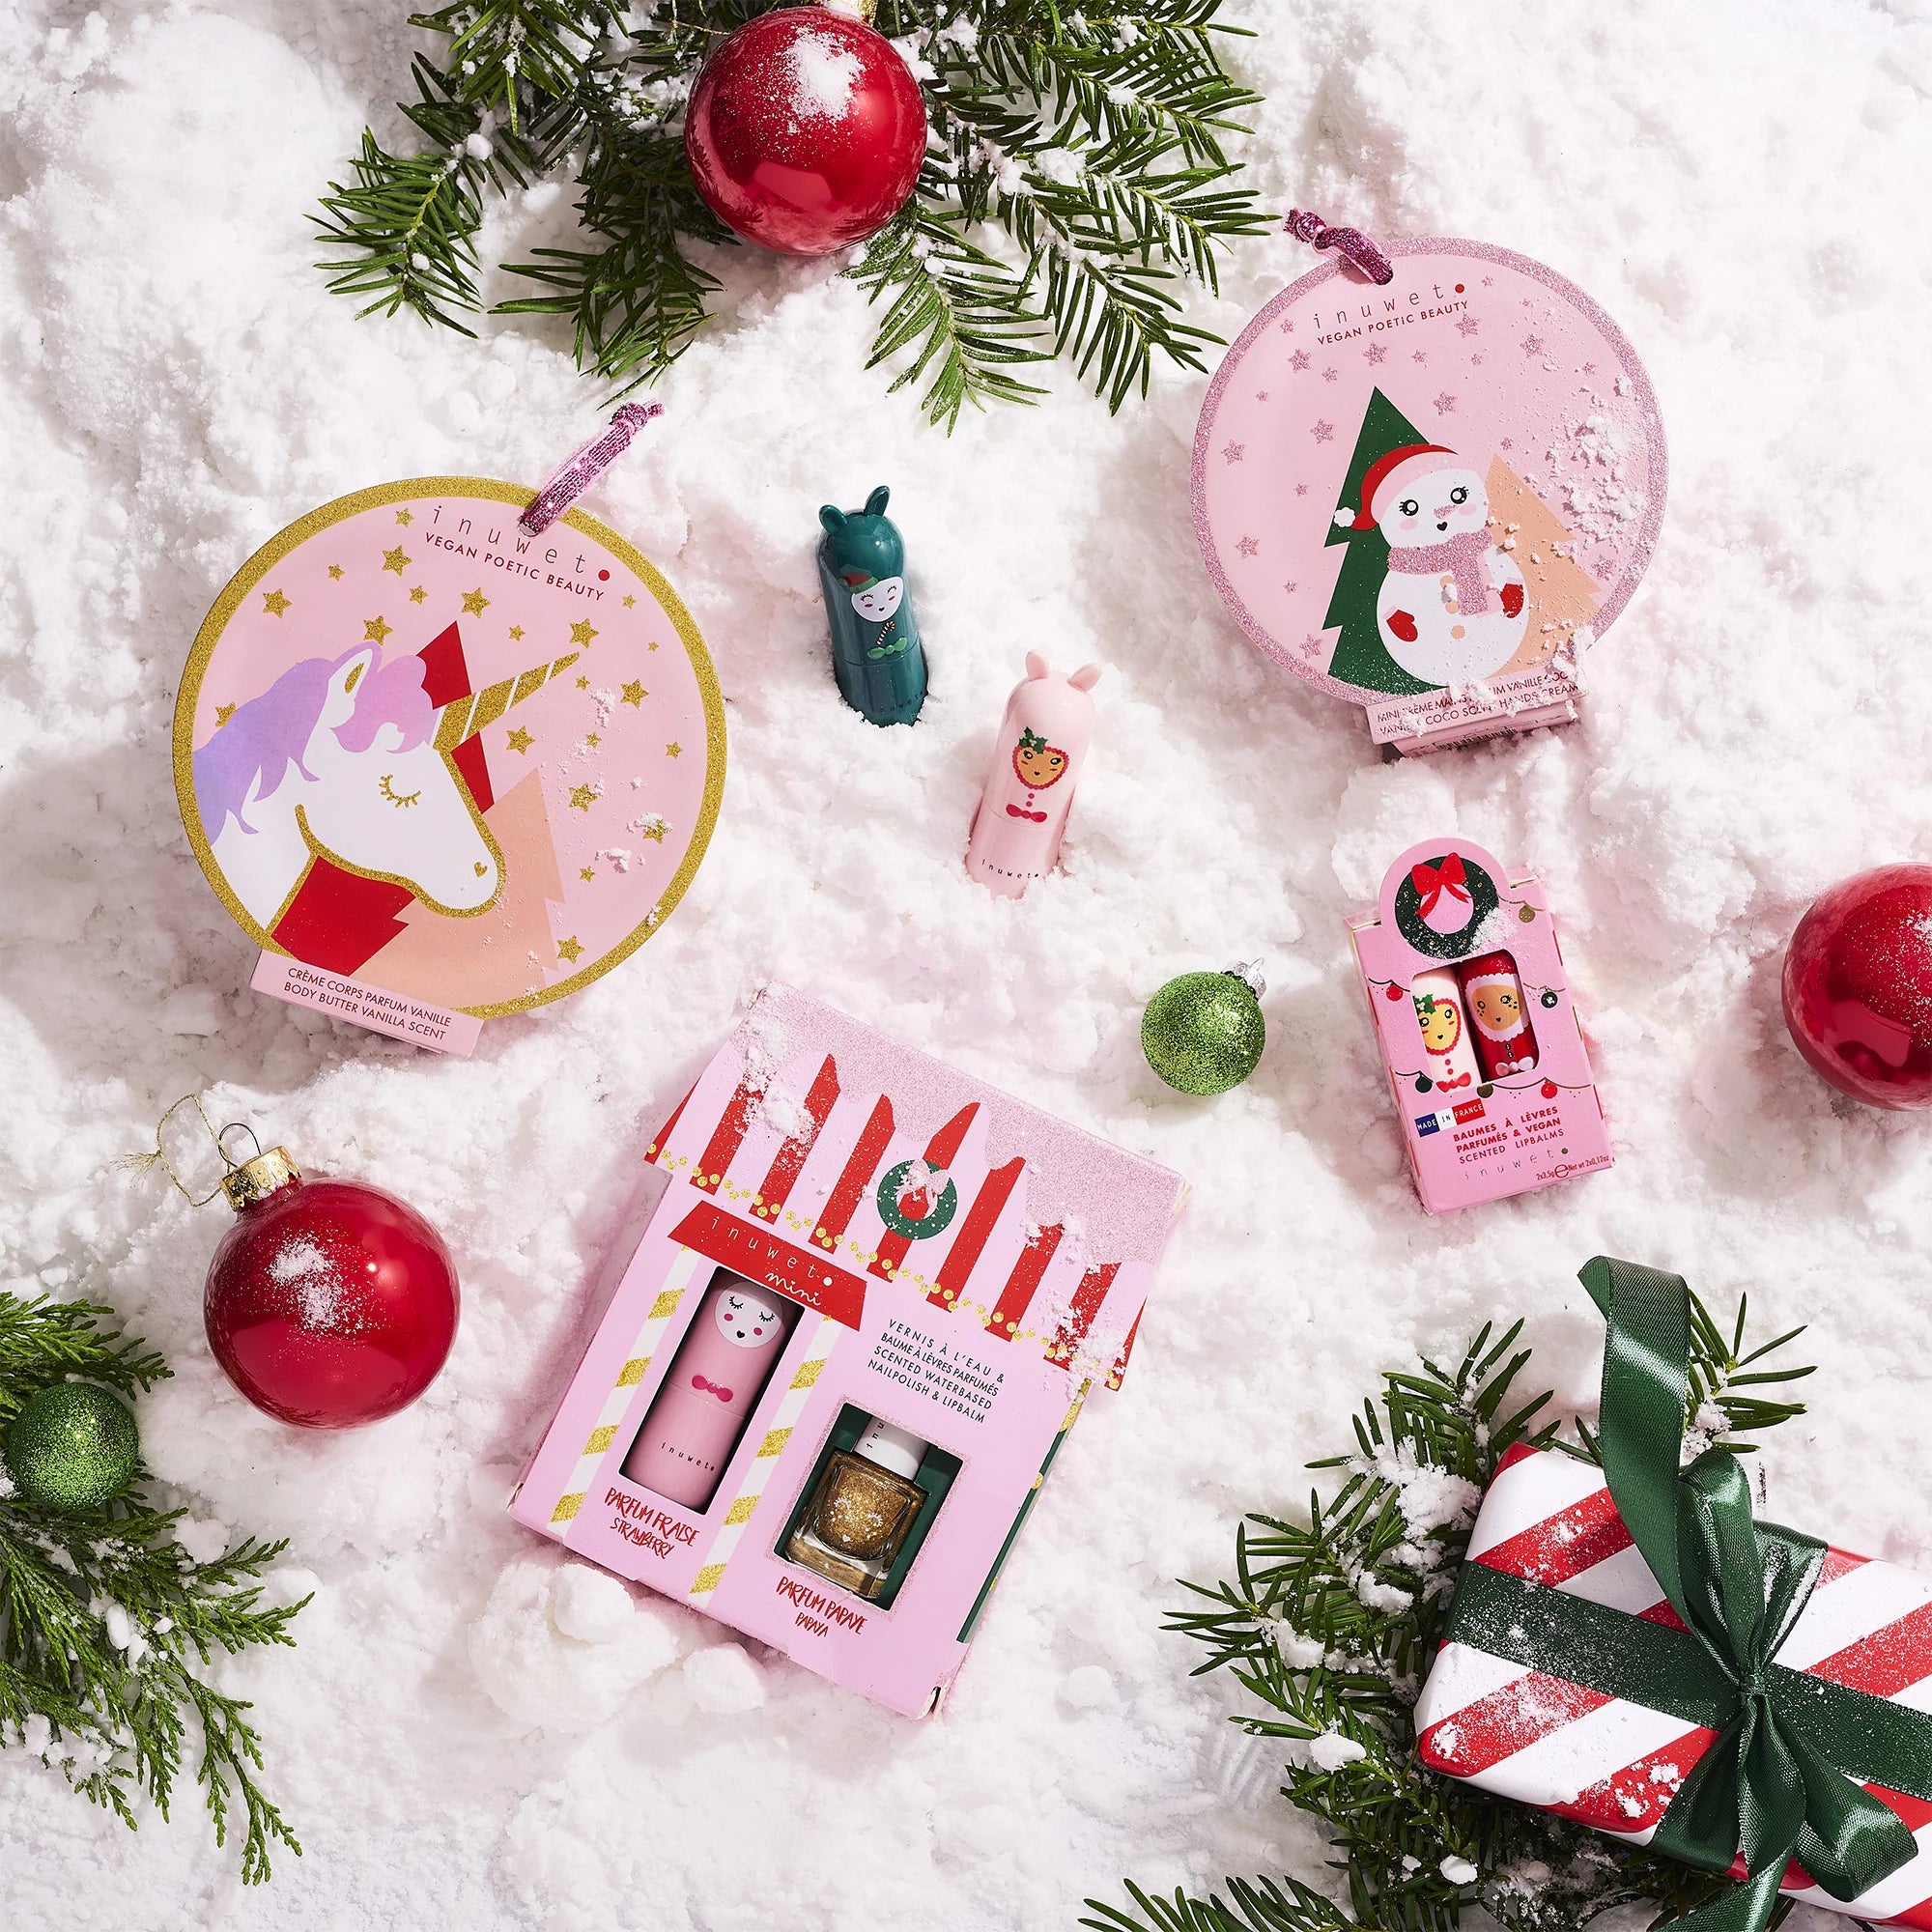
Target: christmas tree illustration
x: 1359, y: 657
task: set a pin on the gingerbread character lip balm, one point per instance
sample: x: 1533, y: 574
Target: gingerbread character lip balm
x: 1043, y: 744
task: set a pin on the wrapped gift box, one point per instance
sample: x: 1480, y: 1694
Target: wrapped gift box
x: 1534, y: 1736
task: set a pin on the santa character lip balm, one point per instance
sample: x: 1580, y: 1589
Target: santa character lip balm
x: 1505, y: 1040
x: 715, y: 1381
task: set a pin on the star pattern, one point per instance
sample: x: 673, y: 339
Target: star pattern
x: 404, y: 518
x: 584, y: 684
x: 1261, y: 395
x: 1300, y: 360
x: 1420, y: 356
x: 634, y: 694
x: 655, y: 831
x: 374, y: 630
x: 1532, y: 345
x: 418, y: 595
x: 1248, y: 547
x: 1324, y: 432
x: 570, y: 950
x: 396, y: 559
x: 519, y: 740
x: 652, y: 645
x: 1466, y: 325
x: 584, y: 797
x: 516, y: 634
x: 222, y: 714
x: 1331, y: 375
x: 335, y: 570
x: 275, y: 603
x: 587, y: 872
x: 1376, y: 352
x: 591, y: 739
x: 1291, y: 588
x: 1445, y: 404
x: 1310, y: 643
x: 474, y: 603
x: 1233, y: 452
x: 673, y: 749
x: 1301, y: 489
x: 629, y: 601
x: 581, y: 632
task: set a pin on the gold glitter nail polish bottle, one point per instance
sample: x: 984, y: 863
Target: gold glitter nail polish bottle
x: 862, y: 1507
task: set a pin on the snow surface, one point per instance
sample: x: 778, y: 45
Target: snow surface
x: 472, y: 1734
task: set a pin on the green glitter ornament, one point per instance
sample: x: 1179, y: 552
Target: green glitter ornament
x: 1203, y: 1032
x: 71, y: 1448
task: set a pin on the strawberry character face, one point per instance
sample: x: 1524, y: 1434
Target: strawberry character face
x: 1039, y: 763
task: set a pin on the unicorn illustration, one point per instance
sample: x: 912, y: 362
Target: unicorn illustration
x: 348, y: 761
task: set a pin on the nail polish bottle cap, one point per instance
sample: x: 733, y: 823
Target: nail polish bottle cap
x: 891, y: 1448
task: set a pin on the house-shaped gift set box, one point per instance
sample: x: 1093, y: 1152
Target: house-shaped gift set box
x: 863, y: 1314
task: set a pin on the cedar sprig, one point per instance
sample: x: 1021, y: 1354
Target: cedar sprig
x: 1329, y: 1626
x: 1077, y: 179
x: 108, y: 1627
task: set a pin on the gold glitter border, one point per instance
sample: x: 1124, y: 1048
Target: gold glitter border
x: 488, y: 490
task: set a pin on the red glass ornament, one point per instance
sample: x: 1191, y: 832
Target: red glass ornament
x: 329, y: 1303
x: 805, y: 131
x: 1858, y: 986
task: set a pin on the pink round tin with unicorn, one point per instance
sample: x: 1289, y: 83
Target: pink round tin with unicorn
x: 420, y: 748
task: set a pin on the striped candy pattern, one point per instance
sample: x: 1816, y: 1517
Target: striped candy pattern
x: 637, y: 1365
x: 816, y: 1187
x: 1535, y: 1737
x: 758, y: 1472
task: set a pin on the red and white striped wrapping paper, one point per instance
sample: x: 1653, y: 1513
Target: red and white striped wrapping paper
x: 1533, y: 1736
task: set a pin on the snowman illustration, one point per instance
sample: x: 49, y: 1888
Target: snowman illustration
x: 1452, y: 607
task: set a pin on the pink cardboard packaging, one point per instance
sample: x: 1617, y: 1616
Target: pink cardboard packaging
x: 1446, y: 910
x: 960, y: 1264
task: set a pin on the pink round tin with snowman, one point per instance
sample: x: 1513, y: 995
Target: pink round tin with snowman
x: 1432, y: 496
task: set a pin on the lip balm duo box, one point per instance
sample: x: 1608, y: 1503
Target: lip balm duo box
x: 861, y: 1317
x: 1477, y: 1027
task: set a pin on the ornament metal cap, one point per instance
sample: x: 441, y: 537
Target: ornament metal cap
x: 257, y: 1178
x: 1249, y: 974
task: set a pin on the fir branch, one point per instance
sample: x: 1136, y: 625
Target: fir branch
x: 636, y: 303
x: 107, y: 1626
x: 1330, y: 1625
x: 1079, y: 175
x: 965, y: 313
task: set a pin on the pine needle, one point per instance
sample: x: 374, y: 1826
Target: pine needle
x: 114, y: 1717
x: 1078, y: 178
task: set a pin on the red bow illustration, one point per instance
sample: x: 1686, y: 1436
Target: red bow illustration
x: 1430, y: 882
x: 711, y: 1388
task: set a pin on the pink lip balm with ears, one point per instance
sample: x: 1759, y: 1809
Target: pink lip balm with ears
x: 716, y: 1378
x: 1043, y: 744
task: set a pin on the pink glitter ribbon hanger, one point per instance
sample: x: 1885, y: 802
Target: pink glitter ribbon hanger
x: 1352, y: 243
x: 586, y: 465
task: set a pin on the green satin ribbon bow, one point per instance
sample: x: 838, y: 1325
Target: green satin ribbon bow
x: 1783, y: 1779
